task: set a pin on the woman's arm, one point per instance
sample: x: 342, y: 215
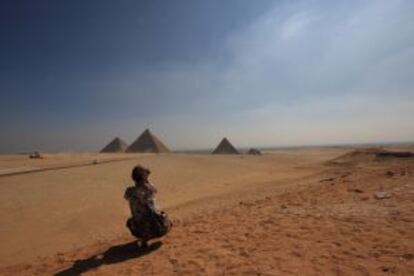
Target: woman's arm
x: 151, y: 187
x: 129, y: 192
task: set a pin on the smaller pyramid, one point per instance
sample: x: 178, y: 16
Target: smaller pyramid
x: 254, y: 151
x: 225, y: 147
x: 148, y: 143
x: 116, y: 145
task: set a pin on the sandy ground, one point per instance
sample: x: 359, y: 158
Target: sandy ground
x: 284, y: 213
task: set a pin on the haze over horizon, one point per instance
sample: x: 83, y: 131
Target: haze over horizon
x: 75, y: 74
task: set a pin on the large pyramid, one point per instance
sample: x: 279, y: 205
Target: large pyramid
x: 225, y: 147
x: 147, y: 142
x: 116, y: 145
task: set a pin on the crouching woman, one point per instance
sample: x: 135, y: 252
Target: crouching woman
x: 147, y: 221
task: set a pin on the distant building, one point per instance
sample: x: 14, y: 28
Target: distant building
x: 225, y: 147
x: 116, y: 145
x: 253, y: 151
x: 148, y: 143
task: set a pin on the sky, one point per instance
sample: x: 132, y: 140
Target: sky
x: 75, y: 74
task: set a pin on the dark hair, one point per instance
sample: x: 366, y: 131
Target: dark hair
x: 137, y: 173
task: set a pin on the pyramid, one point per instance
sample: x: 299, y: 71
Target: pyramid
x: 116, y: 145
x: 147, y: 142
x: 254, y: 151
x: 225, y: 147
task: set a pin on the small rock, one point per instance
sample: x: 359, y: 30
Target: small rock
x: 345, y: 175
x: 382, y: 195
x: 389, y: 173
x: 389, y: 269
x: 408, y: 256
x: 327, y: 179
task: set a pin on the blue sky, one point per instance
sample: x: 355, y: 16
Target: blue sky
x: 74, y: 74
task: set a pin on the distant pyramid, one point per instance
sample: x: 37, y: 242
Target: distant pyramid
x: 116, y: 145
x: 254, y: 151
x: 147, y: 142
x: 225, y: 147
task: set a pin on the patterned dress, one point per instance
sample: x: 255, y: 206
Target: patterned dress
x: 146, y: 217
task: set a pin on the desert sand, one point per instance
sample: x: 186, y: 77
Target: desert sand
x: 288, y: 212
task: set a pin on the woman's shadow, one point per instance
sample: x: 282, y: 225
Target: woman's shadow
x: 114, y: 254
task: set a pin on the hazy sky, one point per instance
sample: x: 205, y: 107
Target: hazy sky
x: 75, y: 74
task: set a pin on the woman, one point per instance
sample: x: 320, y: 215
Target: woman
x: 147, y: 221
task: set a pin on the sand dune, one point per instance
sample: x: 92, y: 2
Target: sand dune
x: 284, y: 213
